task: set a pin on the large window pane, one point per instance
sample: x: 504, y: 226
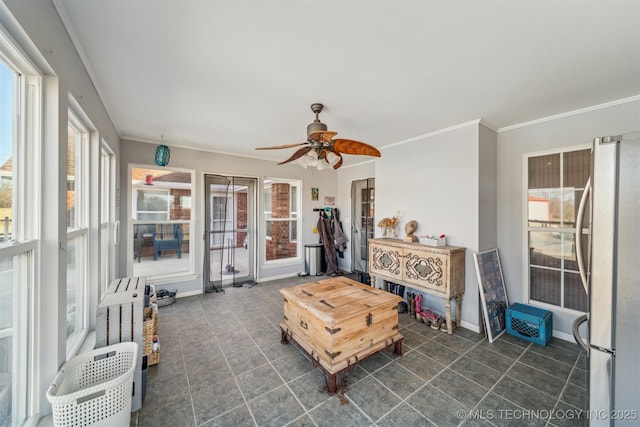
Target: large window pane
x: 77, y: 231
x: 15, y: 280
x: 75, y: 284
x: 545, y: 285
x: 7, y: 114
x: 574, y: 295
x: 7, y: 337
x: 545, y: 208
x: 281, y: 201
x: 545, y: 249
x: 73, y: 161
x: 544, y: 171
x: 161, y: 212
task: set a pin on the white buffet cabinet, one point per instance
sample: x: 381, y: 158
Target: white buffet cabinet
x: 435, y: 270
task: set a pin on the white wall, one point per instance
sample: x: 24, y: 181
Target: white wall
x: 202, y: 163
x: 435, y: 181
x: 566, y: 131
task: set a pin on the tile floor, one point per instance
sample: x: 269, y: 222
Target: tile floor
x: 222, y: 364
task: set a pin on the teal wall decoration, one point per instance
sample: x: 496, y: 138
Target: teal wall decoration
x: 162, y: 155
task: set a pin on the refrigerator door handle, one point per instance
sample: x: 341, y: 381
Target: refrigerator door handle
x: 576, y: 324
x: 579, y: 222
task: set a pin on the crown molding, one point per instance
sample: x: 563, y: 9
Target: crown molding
x: 571, y: 113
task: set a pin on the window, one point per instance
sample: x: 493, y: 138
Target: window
x: 77, y: 231
x: 281, y: 200
x: 152, y: 204
x: 107, y: 167
x: 161, y: 220
x: 555, y: 186
x: 20, y: 103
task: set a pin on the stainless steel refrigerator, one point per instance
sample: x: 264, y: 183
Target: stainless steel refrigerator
x: 609, y: 260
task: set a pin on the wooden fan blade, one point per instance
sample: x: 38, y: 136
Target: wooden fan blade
x: 277, y: 147
x: 348, y: 146
x: 299, y: 153
x: 337, y: 165
x: 322, y: 135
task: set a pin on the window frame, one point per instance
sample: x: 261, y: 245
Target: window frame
x: 25, y: 239
x: 527, y: 229
x: 79, y: 230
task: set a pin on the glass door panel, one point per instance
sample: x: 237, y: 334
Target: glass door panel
x: 230, y: 219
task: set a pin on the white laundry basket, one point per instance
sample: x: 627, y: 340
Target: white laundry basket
x: 94, y: 388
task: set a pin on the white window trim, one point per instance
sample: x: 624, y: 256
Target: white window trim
x: 27, y: 183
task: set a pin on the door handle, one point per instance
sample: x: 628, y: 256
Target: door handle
x: 576, y: 324
x: 579, y: 221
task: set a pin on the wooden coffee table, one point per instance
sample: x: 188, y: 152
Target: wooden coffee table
x: 339, y: 322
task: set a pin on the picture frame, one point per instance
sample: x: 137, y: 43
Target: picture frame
x: 329, y: 201
x: 315, y: 194
x: 492, y: 292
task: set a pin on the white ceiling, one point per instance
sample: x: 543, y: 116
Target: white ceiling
x: 229, y: 76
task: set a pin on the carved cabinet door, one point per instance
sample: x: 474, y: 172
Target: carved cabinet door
x: 427, y: 268
x: 385, y: 260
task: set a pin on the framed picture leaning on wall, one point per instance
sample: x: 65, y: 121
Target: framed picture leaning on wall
x: 492, y: 292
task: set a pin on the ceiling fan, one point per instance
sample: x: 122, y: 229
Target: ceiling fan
x: 321, y: 150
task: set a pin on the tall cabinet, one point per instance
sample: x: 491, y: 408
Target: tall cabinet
x: 435, y: 270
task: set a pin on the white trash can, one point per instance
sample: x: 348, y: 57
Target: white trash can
x: 94, y: 388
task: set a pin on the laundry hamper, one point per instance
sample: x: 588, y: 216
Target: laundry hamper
x: 94, y: 388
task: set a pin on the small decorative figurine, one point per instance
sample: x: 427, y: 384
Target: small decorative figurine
x: 411, y: 228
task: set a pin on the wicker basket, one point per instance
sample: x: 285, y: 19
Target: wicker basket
x: 154, y: 358
x: 149, y: 328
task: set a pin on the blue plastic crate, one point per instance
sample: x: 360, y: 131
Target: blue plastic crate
x: 530, y: 323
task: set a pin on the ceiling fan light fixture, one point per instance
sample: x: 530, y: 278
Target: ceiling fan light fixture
x: 322, y: 165
x: 332, y: 158
x: 312, y: 159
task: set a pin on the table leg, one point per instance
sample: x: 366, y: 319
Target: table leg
x: 284, y: 338
x: 397, y: 348
x: 458, y: 310
x: 332, y: 387
x: 447, y: 310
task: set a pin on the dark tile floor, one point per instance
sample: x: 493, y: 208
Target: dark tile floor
x: 222, y: 364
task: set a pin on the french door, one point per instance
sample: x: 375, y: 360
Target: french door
x: 362, y: 227
x: 230, y: 218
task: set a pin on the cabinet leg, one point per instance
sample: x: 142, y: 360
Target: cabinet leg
x: 458, y: 310
x: 447, y: 310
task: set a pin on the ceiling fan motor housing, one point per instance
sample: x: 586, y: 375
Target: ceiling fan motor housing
x: 316, y: 126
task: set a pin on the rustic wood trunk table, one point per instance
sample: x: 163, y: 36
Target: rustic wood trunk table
x: 339, y: 322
